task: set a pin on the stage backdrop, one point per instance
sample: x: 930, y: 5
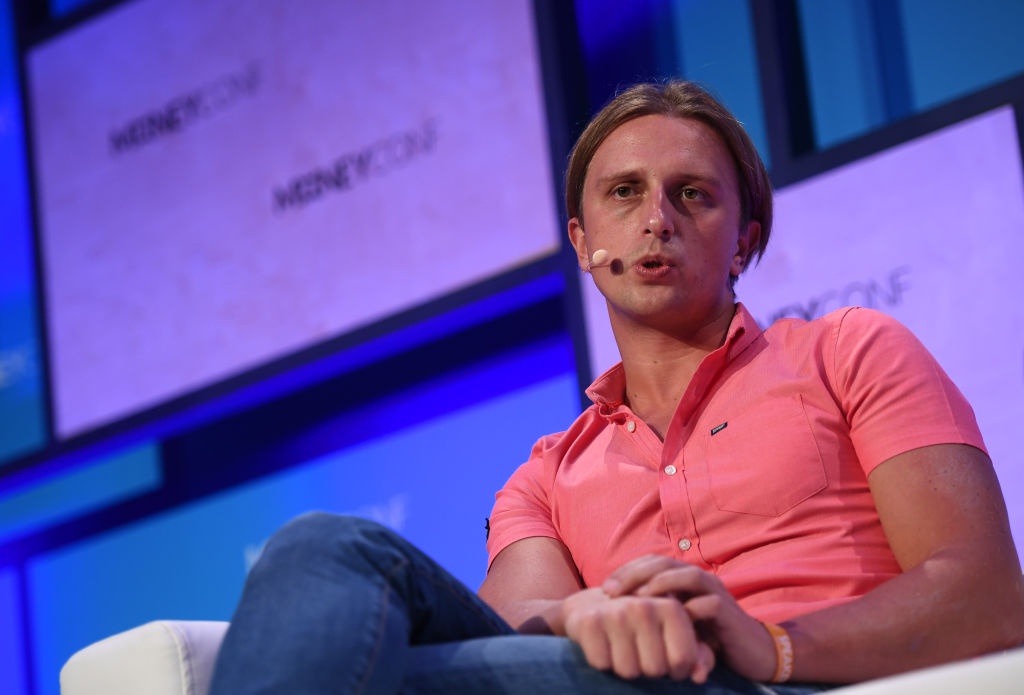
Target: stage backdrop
x: 220, y: 187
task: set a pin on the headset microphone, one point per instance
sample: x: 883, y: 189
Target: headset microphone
x: 599, y: 259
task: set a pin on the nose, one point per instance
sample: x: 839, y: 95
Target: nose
x: 659, y: 216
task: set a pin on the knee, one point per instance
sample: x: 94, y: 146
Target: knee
x: 348, y: 550
x: 323, y: 534
x: 318, y: 527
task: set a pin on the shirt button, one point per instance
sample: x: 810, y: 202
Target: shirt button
x: 684, y: 544
x: 670, y: 469
x: 631, y: 426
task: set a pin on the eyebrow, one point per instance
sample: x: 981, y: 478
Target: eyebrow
x: 637, y: 174
x: 626, y: 174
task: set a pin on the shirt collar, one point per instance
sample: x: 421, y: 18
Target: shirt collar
x: 609, y: 389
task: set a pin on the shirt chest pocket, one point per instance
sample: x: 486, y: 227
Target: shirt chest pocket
x: 765, y: 461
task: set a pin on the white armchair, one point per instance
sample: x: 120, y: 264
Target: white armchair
x: 164, y: 657
x: 169, y: 657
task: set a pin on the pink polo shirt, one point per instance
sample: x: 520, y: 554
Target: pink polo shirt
x: 762, y: 476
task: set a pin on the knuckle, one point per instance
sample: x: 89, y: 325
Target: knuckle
x: 627, y: 670
x: 655, y: 665
x: 599, y: 659
x: 642, y: 610
x: 682, y: 655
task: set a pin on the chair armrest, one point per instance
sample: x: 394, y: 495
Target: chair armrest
x: 164, y: 657
x: 1001, y: 673
x: 176, y: 657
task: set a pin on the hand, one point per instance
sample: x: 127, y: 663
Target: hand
x: 636, y: 636
x: 738, y: 639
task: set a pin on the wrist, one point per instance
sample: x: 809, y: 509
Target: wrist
x: 783, y: 652
x: 535, y: 617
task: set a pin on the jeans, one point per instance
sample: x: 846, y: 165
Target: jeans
x: 344, y: 605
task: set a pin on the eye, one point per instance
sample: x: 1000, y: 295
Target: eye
x: 690, y: 193
x: 622, y: 191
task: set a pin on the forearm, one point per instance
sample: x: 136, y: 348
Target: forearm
x: 960, y: 593
x: 942, y: 610
x: 533, y: 616
x: 527, y: 583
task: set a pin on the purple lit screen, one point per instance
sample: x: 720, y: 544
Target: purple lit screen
x: 926, y: 232
x: 220, y: 186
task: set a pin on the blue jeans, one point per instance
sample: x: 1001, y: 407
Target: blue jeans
x: 344, y: 605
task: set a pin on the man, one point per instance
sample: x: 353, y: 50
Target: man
x: 811, y: 503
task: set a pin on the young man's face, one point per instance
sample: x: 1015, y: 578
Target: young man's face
x: 661, y: 197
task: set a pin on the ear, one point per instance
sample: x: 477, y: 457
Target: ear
x: 578, y: 239
x: 746, y: 245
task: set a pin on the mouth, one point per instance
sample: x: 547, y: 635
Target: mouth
x: 653, y: 266
x: 654, y: 262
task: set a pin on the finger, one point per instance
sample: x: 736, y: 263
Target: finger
x: 705, y: 607
x: 705, y: 663
x: 685, y: 580
x: 624, y: 652
x: 681, y: 646
x: 635, y: 573
x: 653, y: 650
x: 596, y: 648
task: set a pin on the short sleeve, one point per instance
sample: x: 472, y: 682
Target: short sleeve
x: 895, y: 394
x: 522, y: 508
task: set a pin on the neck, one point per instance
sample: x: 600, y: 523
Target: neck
x: 659, y: 365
